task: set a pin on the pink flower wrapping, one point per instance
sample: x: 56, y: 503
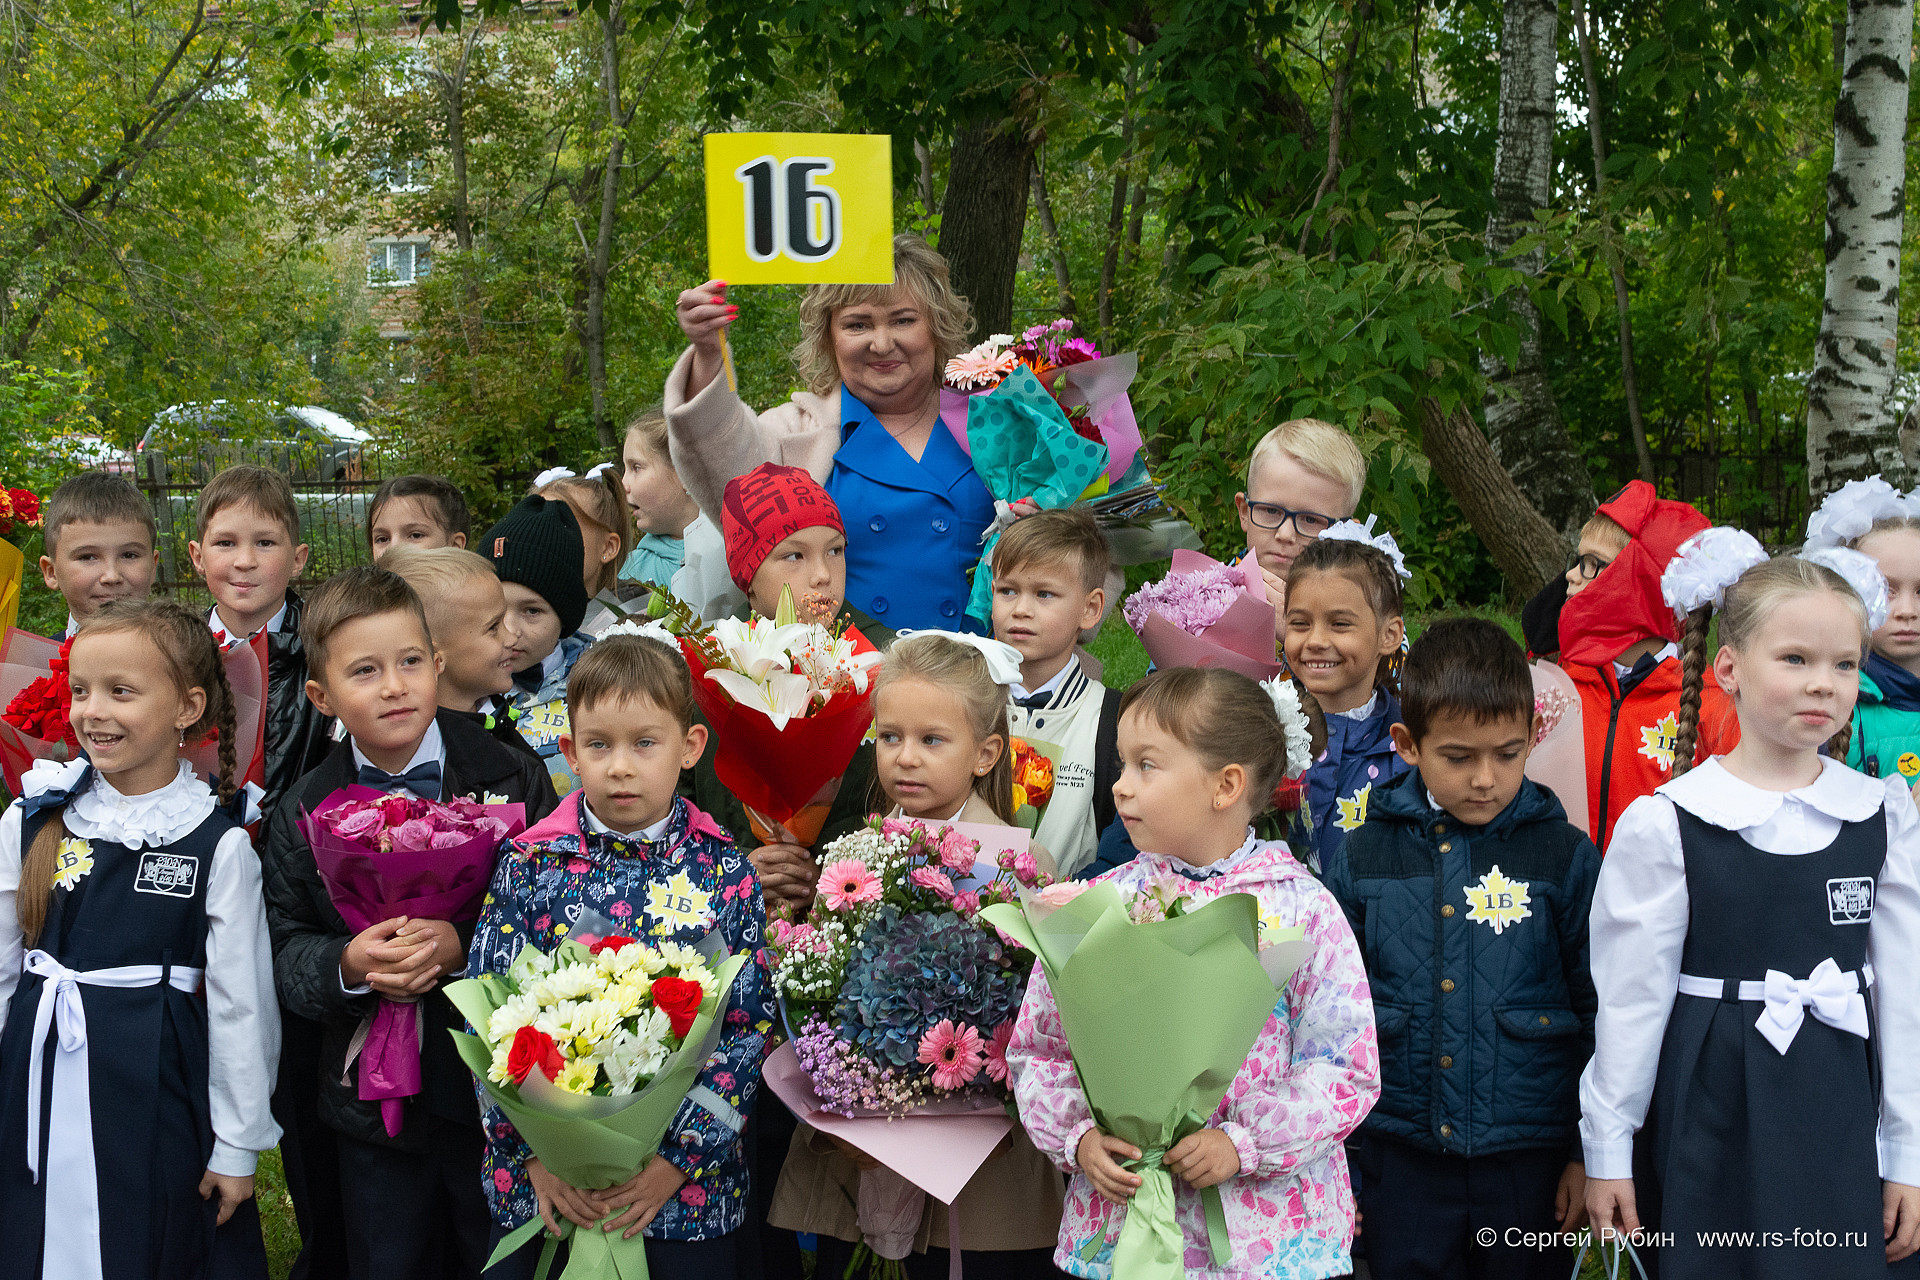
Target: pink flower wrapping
x: 383, y: 856
x: 1239, y: 636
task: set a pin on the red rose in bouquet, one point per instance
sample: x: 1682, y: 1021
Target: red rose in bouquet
x: 533, y: 1048
x: 679, y: 1000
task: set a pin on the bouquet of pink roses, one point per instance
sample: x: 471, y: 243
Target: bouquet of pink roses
x: 382, y: 856
x: 1206, y: 614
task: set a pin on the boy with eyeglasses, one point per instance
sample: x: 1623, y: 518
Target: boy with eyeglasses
x: 1304, y: 475
x: 1618, y: 641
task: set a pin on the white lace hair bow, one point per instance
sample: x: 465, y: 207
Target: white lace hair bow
x: 1850, y: 511
x: 1003, y: 660
x: 551, y: 474
x: 1706, y: 565
x: 1293, y: 723
x: 1862, y: 573
x: 1354, y: 531
x: 649, y: 628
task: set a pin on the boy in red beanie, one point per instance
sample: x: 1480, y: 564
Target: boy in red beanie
x: 1620, y: 643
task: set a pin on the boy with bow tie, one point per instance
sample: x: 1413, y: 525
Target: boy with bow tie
x: 412, y: 1196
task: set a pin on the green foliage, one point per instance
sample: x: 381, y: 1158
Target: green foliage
x: 1394, y: 312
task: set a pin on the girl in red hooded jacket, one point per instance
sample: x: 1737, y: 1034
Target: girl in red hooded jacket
x: 1619, y: 641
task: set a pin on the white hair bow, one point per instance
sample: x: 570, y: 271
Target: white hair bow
x: 1354, y: 531
x: 1003, y: 660
x: 1293, y: 723
x: 650, y: 629
x: 594, y: 472
x: 1862, y: 573
x: 551, y: 474
x: 1850, y: 511
x: 1706, y: 565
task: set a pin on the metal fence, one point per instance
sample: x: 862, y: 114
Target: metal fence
x: 1738, y: 470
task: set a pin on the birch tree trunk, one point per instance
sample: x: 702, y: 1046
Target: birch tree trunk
x: 1851, y: 432
x: 1523, y: 418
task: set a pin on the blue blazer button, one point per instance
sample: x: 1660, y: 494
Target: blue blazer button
x: 879, y: 604
x: 939, y: 524
x: 877, y: 523
x: 948, y: 608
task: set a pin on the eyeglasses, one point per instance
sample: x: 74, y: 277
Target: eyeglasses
x: 1588, y: 565
x: 1308, y: 524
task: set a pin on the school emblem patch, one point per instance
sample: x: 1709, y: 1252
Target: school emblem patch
x: 1353, y: 808
x: 1498, y: 901
x: 1908, y: 764
x: 170, y: 875
x: 1850, y: 900
x: 1657, y: 741
x: 679, y: 903
x: 71, y: 862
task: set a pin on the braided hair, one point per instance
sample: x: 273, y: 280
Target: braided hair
x: 1747, y: 605
x: 191, y: 658
x: 1368, y: 568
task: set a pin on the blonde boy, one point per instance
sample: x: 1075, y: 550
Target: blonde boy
x: 1048, y: 576
x: 1304, y: 475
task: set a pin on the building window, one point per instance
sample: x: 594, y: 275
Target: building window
x: 400, y: 176
x: 399, y: 262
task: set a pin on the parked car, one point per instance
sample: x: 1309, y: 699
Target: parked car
x: 193, y: 442
x: 92, y: 452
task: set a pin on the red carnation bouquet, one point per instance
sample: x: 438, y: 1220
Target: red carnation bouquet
x: 382, y: 856
x: 39, y: 700
x: 18, y: 509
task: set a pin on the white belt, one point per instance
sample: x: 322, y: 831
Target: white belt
x: 1835, y: 997
x: 72, y: 1191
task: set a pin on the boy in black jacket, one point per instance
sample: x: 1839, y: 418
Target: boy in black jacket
x: 1469, y: 892
x: 409, y: 1197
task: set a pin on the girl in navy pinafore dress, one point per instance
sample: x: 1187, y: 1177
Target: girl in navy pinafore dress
x: 1751, y: 1103
x: 141, y: 1031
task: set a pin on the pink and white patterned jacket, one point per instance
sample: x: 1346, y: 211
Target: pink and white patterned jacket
x: 1309, y: 1080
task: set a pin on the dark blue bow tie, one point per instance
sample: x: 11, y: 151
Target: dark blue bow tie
x: 423, y: 779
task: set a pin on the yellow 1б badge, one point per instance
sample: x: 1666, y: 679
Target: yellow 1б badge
x: 71, y: 862
x: 679, y: 903
x: 800, y: 208
x: 1498, y: 901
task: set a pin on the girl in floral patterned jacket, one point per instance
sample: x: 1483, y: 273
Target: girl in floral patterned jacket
x: 625, y: 847
x: 1202, y: 750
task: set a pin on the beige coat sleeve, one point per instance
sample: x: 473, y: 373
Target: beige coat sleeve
x: 716, y: 435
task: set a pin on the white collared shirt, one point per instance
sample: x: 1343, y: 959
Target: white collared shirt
x: 226, y: 637
x: 430, y: 751
x: 243, y: 1015
x: 648, y: 834
x: 1621, y: 670
x: 1059, y: 678
x: 1639, y: 928
x: 1362, y: 711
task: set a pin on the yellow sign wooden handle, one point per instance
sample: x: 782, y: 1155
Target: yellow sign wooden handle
x: 800, y: 208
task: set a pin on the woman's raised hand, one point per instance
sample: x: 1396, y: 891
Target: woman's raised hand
x: 703, y: 313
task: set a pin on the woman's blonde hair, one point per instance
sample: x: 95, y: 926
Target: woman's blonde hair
x: 191, y: 659
x: 1748, y: 603
x: 600, y: 502
x: 919, y: 273
x: 961, y: 670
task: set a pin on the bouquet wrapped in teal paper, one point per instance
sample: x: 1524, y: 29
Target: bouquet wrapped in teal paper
x: 590, y: 1051
x: 1212, y: 980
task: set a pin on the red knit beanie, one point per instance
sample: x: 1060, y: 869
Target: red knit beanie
x: 768, y: 504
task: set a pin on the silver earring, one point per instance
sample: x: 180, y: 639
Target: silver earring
x: 183, y: 739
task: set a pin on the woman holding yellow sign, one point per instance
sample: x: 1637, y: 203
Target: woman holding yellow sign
x: 867, y: 427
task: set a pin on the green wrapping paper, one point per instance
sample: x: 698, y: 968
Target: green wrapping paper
x: 1024, y: 447
x: 1159, y: 1018
x: 590, y: 1142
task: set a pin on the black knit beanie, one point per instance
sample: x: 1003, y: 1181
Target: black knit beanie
x: 538, y: 545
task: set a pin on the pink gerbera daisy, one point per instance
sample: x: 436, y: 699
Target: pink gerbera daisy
x: 981, y: 367
x: 933, y: 881
x: 997, y: 1051
x: 956, y: 1054
x: 846, y: 883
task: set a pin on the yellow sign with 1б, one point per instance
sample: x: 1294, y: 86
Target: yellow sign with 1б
x: 800, y: 208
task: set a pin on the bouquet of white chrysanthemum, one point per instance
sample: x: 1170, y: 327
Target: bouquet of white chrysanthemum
x: 603, y: 1023
x: 589, y: 1050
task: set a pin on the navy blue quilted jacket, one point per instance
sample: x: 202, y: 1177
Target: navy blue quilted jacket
x: 1475, y: 942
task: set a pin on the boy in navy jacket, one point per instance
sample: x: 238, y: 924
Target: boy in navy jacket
x: 1469, y: 892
